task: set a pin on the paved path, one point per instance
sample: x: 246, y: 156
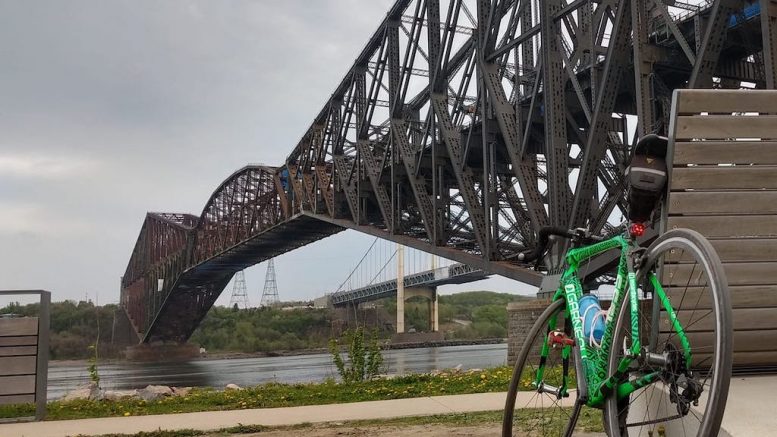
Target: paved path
x: 212, y: 420
x: 750, y: 412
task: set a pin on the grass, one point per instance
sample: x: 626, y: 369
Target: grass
x: 283, y: 395
x: 590, y: 421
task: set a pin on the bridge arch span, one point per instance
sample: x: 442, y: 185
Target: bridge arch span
x: 245, y: 204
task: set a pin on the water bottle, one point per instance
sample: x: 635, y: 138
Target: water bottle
x: 593, y: 319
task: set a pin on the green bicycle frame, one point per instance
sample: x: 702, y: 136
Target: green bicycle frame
x: 594, y: 360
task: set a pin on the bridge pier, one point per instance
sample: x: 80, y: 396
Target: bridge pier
x: 430, y: 293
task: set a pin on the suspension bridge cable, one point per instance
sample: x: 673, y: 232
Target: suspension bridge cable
x: 358, y: 264
x: 382, y: 269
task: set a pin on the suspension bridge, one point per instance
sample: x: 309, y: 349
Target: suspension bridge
x: 390, y: 270
x: 460, y: 129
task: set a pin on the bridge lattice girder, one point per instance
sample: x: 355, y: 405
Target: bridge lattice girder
x: 461, y: 129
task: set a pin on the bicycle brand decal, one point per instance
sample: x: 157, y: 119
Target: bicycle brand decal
x: 577, y: 322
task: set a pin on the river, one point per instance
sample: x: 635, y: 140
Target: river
x: 252, y: 371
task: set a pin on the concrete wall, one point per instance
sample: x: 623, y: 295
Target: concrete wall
x: 520, y: 318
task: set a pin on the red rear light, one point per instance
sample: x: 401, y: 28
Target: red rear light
x: 637, y: 229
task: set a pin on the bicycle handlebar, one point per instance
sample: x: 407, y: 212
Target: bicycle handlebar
x: 542, y: 242
x: 579, y: 235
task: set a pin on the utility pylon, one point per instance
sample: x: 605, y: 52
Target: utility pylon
x: 270, y: 293
x: 239, y: 293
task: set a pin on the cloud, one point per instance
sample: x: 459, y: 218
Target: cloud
x: 43, y: 167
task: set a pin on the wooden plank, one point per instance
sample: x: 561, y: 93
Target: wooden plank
x: 27, y: 340
x: 745, y: 226
x: 745, y: 319
x: 746, y: 359
x: 21, y: 326
x: 13, y: 385
x: 6, y: 351
x: 742, y: 296
x: 723, y: 202
x: 726, y: 101
x: 18, y: 365
x: 725, y: 152
x: 744, y: 341
x: 735, y: 250
x: 725, y: 127
x: 746, y: 250
x: 760, y: 273
x: 724, y: 177
x: 17, y: 399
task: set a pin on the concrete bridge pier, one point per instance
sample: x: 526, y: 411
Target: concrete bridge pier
x: 404, y: 294
x: 430, y: 293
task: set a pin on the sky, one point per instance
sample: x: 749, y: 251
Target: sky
x: 110, y: 109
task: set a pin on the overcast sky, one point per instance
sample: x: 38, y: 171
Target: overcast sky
x: 109, y: 109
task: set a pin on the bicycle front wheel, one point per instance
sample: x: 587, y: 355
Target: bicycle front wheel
x: 536, y: 402
x: 684, y: 399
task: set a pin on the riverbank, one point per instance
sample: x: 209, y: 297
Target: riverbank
x: 273, y: 395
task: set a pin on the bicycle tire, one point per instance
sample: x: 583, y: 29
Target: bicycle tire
x: 676, y: 250
x: 539, y: 330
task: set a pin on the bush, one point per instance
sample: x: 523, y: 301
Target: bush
x: 364, y: 361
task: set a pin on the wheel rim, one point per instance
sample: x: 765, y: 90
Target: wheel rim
x: 693, y: 285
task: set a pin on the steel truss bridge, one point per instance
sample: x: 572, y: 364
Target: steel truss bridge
x: 460, y: 129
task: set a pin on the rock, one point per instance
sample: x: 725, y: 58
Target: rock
x: 89, y: 391
x: 115, y: 395
x: 181, y: 391
x: 233, y: 387
x: 457, y: 369
x: 154, y: 392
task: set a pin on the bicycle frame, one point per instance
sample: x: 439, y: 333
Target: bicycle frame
x: 593, y: 361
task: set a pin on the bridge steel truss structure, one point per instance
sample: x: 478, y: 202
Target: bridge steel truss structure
x: 462, y: 127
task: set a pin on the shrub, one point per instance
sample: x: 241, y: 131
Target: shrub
x: 364, y: 360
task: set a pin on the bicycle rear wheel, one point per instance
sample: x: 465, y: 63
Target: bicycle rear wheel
x: 683, y: 400
x: 535, y: 407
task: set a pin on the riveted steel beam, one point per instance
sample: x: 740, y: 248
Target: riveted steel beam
x: 615, y: 65
x: 712, y: 44
x: 769, y: 38
x: 554, y: 99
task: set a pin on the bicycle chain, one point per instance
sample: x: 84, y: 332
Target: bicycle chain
x: 652, y: 421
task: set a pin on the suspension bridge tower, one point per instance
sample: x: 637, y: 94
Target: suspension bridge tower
x: 270, y: 293
x: 239, y: 292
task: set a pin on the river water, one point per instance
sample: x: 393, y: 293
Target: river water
x: 252, y: 371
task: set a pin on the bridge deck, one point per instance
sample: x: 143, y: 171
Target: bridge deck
x: 195, y: 291
x: 453, y: 274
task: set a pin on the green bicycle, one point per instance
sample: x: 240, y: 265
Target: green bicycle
x: 664, y: 358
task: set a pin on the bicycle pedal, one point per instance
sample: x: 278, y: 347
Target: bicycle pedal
x: 556, y: 338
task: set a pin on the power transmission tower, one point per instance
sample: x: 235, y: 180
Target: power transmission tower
x: 239, y: 292
x: 270, y: 293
